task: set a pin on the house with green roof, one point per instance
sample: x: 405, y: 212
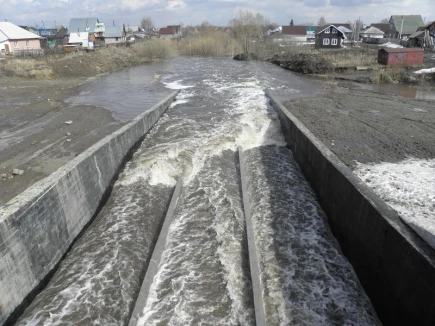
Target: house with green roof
x: 402, y: 26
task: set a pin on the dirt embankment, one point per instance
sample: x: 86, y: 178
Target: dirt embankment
x: 304, y: 63
x: 80, y: 64
x: 364, y: 126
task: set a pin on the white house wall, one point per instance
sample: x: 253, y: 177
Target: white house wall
x: 81, y: 37
x: 112, y: 40
x: 2, y: 45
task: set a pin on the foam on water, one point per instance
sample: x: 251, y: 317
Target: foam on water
x: 305, y: 278
x: 409, y: 188
x: 203, y: 277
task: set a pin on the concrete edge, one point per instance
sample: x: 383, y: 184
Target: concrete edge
x: 390, y: 215
x: 40, y: 187
x: 153, y: 265
x: 260, y: 312
x: 61, y: 200
x: 395, y: 266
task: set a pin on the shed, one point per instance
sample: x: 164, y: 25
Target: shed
x: 405, y: 56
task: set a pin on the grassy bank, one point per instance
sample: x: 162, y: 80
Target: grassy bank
x: 83, y: 64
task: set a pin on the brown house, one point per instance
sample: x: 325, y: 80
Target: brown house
x: 329, y: 37
x: 405, y: 56
x: 295, y: 33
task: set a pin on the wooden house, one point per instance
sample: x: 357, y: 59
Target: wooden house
x: 329, y: 37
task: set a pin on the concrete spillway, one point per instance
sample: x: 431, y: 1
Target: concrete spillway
x: 38, y: 226
x: 395, y: 266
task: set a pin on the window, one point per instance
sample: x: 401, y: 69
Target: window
x: 116, y: 38
x: 328, y: 30
x: 334, y: 41
x: 16, y: 44
x: 326, y: 41
x: 334, y: 31
x: 27, y: 43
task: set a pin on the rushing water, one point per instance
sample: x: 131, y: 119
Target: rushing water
x: 204, y: 275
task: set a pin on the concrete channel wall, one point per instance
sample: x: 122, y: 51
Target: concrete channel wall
x: 38, y: 226
x: 395, y: 266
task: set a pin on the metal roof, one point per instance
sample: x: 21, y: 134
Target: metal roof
x: 112, y: 31
x: 321, y: 29
x: 294, y: 30
x: 417, y: 34
x: 403, y: 50
x: 372, y: 30
x: 77, y: 25
x: 410, y: 23
x: 382, y: 27
x: 166, y: 31
x: 9, y: 31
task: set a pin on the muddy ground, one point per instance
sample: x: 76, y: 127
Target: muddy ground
x: 364, y: 126
x: 34, y: 137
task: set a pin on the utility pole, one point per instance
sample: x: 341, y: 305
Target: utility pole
x: 401, y: 29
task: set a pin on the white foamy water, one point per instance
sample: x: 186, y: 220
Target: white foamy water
x: 203, y: 277
x: 304, y: 276
x: 409, y: 188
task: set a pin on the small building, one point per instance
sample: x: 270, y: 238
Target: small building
x: 329, y: 37
x: 416, y: 40
x: 405, y: 56
x: 346, y: 31
x: 372, y: 32
x: 402, y: 26
x: 383, y: 27
x: 294, y: 33
x: 85, y: 31
x: 167, y: 32
x: 429, y: 35
x: 14, y: 39
x: 113, y: 35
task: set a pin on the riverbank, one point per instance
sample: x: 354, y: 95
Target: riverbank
x: 368, y: 127
x: 87, y: 64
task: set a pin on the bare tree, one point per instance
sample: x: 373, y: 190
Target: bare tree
x: 322, y: 21
x: 247, y: 27
x: 147, y: 24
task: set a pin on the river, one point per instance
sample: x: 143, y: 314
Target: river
x: 204, y: 274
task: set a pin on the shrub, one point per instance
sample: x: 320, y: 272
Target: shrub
x: 211, y: 44
x: 154, y: 49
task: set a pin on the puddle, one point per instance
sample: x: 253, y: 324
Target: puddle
x: 401, y: 90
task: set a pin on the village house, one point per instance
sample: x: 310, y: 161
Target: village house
x: 383, y: 27
x: 329, y: 37
x: 402, y: 26
x: 428, y: 36
x: 85, y: 31
x: 372, y: 32
x: 294, y: 33
x: 113, y: 35
x: 14, y: 39
x: 170, y: 32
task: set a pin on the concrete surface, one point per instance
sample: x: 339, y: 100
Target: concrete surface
x: 395, y: 266
x: 153, y: 265
x: 260, y: 313
x: 38, y: 226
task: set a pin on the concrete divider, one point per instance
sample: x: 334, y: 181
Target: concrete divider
x: 254, y: 265
x: 153, y: 265
x: 395, y: 266
x: 38, y: 226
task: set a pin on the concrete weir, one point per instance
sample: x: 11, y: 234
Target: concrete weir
x: 38, y: 226
x: 395, y: 266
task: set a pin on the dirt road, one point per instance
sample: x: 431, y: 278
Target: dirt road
x: 365, y: 126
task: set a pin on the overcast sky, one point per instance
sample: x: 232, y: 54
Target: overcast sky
x: 216, y: 12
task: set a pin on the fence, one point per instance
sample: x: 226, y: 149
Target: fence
x: 28, y: 53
